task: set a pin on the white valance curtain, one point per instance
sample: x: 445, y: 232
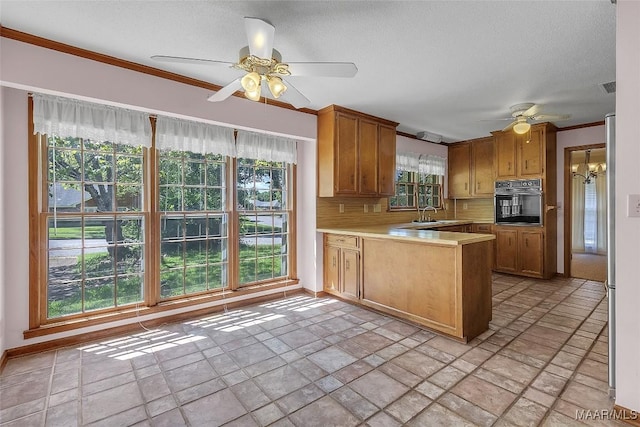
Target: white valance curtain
x: 408, y: 162
x: 433, y: 165
x: 64, y: 117
x: 270, y: 148
x: 427, y: 164
x: 196, y: 137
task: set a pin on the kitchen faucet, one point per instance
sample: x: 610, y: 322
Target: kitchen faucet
x: 435, y: 211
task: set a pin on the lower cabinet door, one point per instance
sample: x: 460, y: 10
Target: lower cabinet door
x: 351, y: 273
x: 506, y: 250
x: 332, y: 269
x: 531, y: 252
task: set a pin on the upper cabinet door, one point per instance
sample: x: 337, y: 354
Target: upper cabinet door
x: 386, y: 160
x: 531, y: 157
x: 356, y: 154
x: 482, y: 168
x: 368, y: 157
x: 346, y: 140
x: 505, y: 155
x: 459, y: 170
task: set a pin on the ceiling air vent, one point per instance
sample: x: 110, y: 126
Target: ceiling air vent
x: 609, y: 87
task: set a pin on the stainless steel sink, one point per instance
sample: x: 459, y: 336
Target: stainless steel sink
x: 429, y: 221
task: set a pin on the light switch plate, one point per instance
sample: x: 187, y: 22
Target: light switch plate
x: 633, y: 205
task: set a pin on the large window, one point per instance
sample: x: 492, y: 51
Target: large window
x: 193, y: 223
x: 95, y: 226
x: 117, y: 227
x: 262, y: 220
x: 416, y: 190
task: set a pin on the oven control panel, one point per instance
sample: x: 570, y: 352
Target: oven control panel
x: 519, y: 183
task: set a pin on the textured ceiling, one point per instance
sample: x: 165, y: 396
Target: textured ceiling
x: 447, y: 67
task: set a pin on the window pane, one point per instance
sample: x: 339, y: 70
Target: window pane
x: 129, y: 198
x: 170, y: 198
x: 193, y: 246
x: 194, y: 173
x: 193, y: 199
x: 129, y: 169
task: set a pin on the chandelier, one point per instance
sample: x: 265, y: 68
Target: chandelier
x: 587, y: 171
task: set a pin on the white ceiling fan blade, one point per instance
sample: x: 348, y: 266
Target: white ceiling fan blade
x: 552, y: 117
x: 183, y: 60
x: 535, y: 109
x: 495, y: 120
x: 325, y: 69
x: 226, y: 91
x: 294, y: 97
x: 512, y: 124
x: 260, y: 35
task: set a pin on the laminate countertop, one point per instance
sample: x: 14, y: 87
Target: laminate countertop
x: 427, y: 234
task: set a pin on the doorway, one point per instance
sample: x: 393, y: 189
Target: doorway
x: 586, y: 213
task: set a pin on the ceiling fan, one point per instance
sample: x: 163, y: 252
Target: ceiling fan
x: 522, y: 113
x: 263, y: 67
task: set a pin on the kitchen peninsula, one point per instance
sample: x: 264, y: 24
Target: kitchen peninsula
x: 439, y: 279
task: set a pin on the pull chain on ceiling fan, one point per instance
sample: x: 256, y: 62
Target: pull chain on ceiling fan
x: 264, y: 67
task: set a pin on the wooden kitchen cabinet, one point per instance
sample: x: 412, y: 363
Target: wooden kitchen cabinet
x: 342, y: 275
x: 482, y: 167
x: 522, y: 250
x: 356, y: 154
x: 531, y: 252
x: 523, y: 156
x: 507, y: 251
x: 459, y: 170
x: 471, y: 169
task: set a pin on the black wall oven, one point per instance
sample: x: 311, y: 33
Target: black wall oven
x: 518, y: 202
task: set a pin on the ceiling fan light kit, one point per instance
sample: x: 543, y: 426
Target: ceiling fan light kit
x: 521, y: 113
x: 263, y: 64
x: 522, y: 126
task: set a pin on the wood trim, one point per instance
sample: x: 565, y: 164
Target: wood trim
x: 110, y: 60
x: 233, y: 245
x: 584, y: 125
x: 293, y: 220
x: 407, y: 135
x: 627, y: 416
x: 134, y: 327
x: 316, y: 294
x: 567, y: 202
x: 100, y: 319
x: 34, y: 223
x: 3, y: 360
x: 153, y: 217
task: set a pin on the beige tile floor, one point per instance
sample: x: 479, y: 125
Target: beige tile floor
x: 301, y: 361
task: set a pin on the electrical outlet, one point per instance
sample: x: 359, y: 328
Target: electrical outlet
x: 341, y: 208
x: 465, y: 206
x: 377, y: 207
x: 633, y: 205
x: 366, y: 208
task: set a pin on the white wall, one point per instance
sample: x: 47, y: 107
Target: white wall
x: 2, y: 239
x: 627, y: 182
x: 21, y: 70
x: 571, y: 138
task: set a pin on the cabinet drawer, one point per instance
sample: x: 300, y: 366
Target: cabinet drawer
x: 344, y: 241
x: 483, y: 228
